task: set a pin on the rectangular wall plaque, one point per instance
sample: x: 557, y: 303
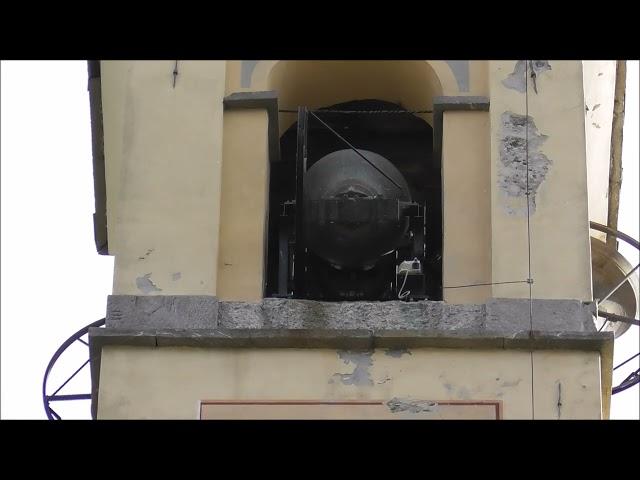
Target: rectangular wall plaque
x: 394, y: 409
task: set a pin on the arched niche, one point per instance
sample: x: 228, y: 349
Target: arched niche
x: 412, y: 84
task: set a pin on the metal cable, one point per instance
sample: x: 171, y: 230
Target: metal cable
x: 634, y: 377
x: 528, y: 196
x: 612, y: 317
x: 355, y: 150
x: 632, y: 380
x: 487, y: 284
x: 70, y: 378
x: 402, y: 295
x: 627, y: 360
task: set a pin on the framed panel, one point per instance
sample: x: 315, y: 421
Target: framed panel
x: 395, y: 409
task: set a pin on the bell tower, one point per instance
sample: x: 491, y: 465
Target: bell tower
x: 348, y: 239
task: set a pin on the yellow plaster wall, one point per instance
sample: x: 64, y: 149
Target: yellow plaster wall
x: 244, y: 206
x: 560, y: 250
x: 163, y: 151
x: 599, y: 90
x: 168, y: 382
x: 466, y: 172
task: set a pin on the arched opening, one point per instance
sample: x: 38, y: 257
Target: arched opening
x: 363, y: 235
x: 412, y: 84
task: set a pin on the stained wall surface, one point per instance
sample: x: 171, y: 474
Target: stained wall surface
x: 599, y: 90
x: 169, y: 382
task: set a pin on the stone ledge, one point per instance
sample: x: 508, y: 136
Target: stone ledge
x: 161, y: 311
x: 504, y: 315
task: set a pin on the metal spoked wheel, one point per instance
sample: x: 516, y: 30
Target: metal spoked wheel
x: 609, y: 318
x: 55, y: 396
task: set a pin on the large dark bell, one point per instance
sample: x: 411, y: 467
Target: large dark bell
x: 353, y: 213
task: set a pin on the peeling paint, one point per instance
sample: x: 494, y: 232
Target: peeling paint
x: 149, y: 252
x: 517, y: 131
x: 449, y: 388
x: 384, y: 380
x: 146, y: 285
x: 360, y: 375
x: 397, y: 405
x: 176, y: 276
x: 397, y: 352
x: 462, y: 393
x: 517, y: 81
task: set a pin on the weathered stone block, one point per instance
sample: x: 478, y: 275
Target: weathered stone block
x: 162, y: 312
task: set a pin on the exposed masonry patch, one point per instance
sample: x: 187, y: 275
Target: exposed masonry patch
x: 146, y: 285
x: 397, y: 405
x: 397, y: 352
x: 518, y: 130
x: 360, y: 375
x: 517, y: 79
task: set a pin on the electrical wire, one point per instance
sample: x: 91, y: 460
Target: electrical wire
x: 402, y: 295
x: 627, y: 361
x: 528, y: 197
x: 487, y: 284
